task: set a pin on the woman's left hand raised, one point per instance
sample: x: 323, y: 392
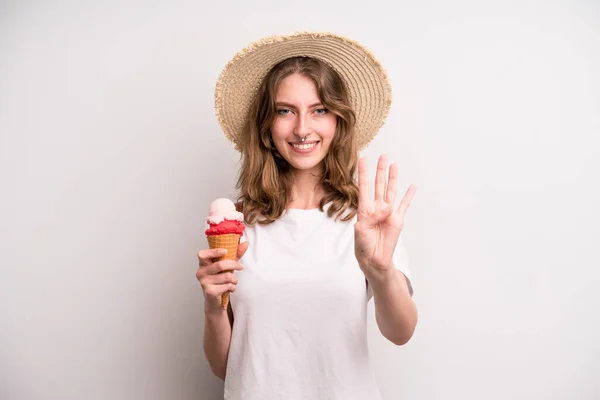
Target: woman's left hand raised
x: 378, y: 225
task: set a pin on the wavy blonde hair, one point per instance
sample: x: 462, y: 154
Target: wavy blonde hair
x: 265, y: 178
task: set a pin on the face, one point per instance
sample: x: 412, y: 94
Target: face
x: 300, y: 114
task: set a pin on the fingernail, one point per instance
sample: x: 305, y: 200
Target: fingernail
x: 223, y: 251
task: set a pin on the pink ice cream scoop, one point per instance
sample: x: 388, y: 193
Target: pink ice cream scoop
x: 223, y: 209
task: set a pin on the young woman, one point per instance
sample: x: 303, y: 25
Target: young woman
x: 317, y: 248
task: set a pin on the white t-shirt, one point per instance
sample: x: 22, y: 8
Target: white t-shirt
x: 300, y: 313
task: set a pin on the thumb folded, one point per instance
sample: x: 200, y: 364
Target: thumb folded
x: 378, y: 217
x: 386, y: 211
x: 383, y: 214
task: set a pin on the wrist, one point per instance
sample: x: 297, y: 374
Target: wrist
x: 214, y: 313
x: 381, y: 277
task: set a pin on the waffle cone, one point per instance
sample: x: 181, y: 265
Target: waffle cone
x: 229, y: 242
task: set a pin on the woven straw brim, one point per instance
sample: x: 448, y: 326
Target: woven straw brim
x: 365, y: 78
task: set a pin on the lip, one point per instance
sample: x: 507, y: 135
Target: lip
x: 300, y: 151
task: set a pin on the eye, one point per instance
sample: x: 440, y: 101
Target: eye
x: 283, y: 111
x: 321, y: 111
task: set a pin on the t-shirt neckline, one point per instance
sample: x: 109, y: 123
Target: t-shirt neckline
x: 305, y: 211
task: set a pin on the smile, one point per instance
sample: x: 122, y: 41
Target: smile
x: 304, y: 147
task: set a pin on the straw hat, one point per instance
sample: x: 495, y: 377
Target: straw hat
x: 365, y: 78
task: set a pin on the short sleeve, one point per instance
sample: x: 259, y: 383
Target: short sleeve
x: 401, y: 263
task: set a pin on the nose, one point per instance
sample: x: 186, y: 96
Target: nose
x: 303, y: 126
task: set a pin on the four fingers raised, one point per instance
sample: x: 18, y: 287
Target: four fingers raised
x: 382, y: 193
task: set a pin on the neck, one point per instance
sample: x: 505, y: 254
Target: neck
x: 307, y: 190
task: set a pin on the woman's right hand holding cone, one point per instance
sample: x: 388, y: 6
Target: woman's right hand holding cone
x: 213, y: 280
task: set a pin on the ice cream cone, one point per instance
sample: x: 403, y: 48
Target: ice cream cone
x: 229, y: 242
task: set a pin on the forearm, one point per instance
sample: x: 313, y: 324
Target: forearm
x: 395, y: 311
x: 217, y: 338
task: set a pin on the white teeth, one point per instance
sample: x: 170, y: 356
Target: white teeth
x: 304, y: 146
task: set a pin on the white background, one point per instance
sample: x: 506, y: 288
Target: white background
x: 111, y: 153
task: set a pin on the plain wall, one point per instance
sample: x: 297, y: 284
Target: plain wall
x: 110, y: 154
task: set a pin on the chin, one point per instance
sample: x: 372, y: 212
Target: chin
x: 305, y: 163
x: 306, y: 166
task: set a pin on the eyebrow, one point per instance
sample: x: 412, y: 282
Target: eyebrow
x: 283, y: 103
